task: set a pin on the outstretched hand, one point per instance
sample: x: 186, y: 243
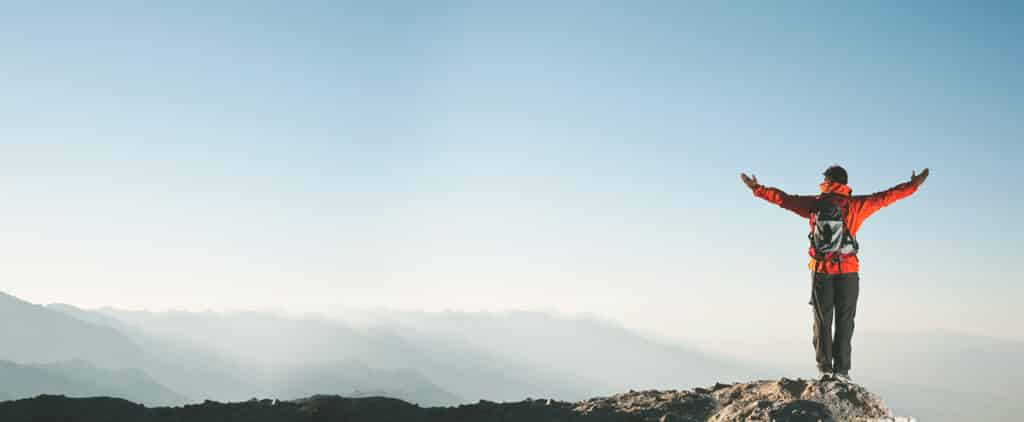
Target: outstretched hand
x: 751, y: 181
x: 918, y: 179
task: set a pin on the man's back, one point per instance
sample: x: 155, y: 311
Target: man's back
x: 857, y: 209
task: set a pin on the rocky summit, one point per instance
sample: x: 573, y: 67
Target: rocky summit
x: 794, y: 400
x: 783, y: 400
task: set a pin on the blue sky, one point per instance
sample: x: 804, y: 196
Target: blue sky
x: 572, y: 157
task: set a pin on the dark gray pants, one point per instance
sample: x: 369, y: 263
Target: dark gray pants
x: 834, y: 294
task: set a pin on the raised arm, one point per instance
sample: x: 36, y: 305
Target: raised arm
x: 799, y: 204
x: 878, y: 200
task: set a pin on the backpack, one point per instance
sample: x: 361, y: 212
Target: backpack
x: 828, y: 231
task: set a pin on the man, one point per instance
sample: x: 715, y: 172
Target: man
x: 835, y: 216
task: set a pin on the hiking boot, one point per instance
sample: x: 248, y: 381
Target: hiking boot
x: 825, y: 375
x: 843, y: 376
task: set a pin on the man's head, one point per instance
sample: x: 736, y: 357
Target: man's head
x: 835, y: 174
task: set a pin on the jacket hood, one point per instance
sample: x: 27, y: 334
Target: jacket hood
x: 835, y: 187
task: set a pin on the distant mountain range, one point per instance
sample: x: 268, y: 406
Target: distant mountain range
x: 54, y: 349
x: 944, y: 359
x: 494, y: 356
x: 431, y: 359
x: 444, y: 358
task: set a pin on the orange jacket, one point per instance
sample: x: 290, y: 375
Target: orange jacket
x: 858, y: 209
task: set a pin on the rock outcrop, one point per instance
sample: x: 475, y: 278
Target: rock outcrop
x: 779, y: 401
x: 783, y: 400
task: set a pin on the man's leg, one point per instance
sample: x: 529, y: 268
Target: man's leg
x: 822, y: 304
x: 846, y: 290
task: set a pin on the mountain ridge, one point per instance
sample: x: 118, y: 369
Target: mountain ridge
x: 53, y: 336
x: 783, y: 400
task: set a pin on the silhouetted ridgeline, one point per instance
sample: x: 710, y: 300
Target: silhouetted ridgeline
x: 781, y: 401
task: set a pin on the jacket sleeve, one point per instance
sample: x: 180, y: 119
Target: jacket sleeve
x: 799, y: 204
x: 878, y: 200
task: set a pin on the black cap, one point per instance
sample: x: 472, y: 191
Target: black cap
x: 836, y: 174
